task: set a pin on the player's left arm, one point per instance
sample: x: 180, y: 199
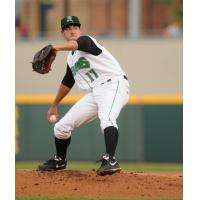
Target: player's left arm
x: 84, y: 43
x: 68, y: 46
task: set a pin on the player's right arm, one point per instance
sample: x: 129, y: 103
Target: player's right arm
x: 65, y: 87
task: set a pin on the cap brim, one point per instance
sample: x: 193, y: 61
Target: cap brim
x: 76, y: 24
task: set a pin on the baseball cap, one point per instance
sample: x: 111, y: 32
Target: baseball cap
x: 69, y: 20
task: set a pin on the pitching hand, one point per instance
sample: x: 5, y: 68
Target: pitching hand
x: 52, y: 111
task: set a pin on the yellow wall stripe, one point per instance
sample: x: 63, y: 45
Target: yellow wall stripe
x: 156, y: 100
x: 47, y: 99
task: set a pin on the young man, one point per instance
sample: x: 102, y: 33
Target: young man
x: 96, y: 71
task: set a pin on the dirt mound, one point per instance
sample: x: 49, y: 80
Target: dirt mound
x: 68, y: 183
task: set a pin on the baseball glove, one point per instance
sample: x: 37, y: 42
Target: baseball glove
x: 43, y: 59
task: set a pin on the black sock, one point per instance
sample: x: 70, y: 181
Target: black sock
x: 111, y: 139
x: 61, y: 147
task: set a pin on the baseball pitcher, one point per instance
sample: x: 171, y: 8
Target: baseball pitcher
x: 92, y: 67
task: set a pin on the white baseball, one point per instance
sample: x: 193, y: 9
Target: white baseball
x: 52, y: 119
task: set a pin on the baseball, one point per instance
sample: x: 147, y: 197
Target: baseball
x: 52, y: 119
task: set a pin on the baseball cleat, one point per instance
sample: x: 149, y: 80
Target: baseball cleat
x: 53, y: 164
x: 108, y: 166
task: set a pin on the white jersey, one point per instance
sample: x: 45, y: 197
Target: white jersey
x: 89, y: 70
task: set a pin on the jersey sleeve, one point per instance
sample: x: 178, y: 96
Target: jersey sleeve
x: 86, y: 44
x: 68, y: 79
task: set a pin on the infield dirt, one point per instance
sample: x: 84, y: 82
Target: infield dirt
x: 69, y: 183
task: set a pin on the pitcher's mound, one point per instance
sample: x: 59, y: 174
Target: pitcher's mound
x: 68, y: 183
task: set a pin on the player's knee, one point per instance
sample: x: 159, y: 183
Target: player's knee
x: 108, y: 122
x: 61, y: 132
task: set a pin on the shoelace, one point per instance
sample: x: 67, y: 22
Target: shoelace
x: 103, y: 161
x: 53, y: 159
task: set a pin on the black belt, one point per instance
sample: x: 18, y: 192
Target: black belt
x: 106, y: 81
x: 125, y: 77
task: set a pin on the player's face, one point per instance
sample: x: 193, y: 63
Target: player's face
x: 71, y: 32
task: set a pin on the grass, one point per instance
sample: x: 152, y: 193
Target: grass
x: 65, y: 198
x: 127, y: 166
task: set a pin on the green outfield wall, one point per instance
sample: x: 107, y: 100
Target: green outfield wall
x: 151, y: 129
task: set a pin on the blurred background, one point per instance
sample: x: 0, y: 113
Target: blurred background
x: 145, y: 36
x: 109, y: 18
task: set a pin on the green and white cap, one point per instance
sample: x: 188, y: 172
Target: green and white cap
x: 69, y: 20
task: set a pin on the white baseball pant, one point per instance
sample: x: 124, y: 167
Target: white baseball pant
x: 105, y: 102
